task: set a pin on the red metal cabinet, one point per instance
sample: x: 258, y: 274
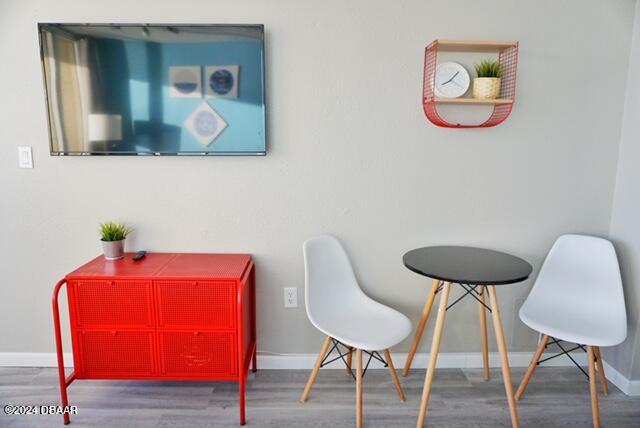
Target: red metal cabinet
x: 188, y: 304
x: 114, y: 354
x: 107, y: 303
x: 191, y: 354
x: 165, y: 317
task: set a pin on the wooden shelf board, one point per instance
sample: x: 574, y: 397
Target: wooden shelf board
x: 469, y: 101
x: 473, y: 46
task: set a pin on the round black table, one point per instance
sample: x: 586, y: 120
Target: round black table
x: 467, y: 265
x: 476, y: 270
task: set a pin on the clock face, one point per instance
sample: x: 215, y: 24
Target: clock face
x: 452, y: 80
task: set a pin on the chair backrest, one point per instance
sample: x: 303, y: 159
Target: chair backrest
x: 583, y: 273
x: 329, y: 279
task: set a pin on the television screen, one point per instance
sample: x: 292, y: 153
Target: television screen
x: 139, y: 89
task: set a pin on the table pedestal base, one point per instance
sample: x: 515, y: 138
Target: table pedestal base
x: 437, y: 338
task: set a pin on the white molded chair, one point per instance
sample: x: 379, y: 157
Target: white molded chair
x: 339, y: 308
x: 577, y: 298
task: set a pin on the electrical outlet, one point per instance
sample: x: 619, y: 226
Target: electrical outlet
x: 290, y: 297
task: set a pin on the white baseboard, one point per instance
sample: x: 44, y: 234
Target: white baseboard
x: 270, y: 361
x: 451, y: 360
x: 33, y: 359
x: 447, y: 360
x: 628, y: 386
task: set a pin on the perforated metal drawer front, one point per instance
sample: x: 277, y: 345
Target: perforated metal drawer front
x: 197, y: 353
x: 104, y: 303
x: 116, y: 353
x: 209, y: 304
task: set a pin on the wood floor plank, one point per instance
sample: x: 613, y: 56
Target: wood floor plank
x: 556, y: 397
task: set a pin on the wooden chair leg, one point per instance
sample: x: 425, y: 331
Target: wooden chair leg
x: 359, y: 389
x: 502, y: 349
x: 426, y: 310
x: 316, y: 368
x: 595, y: 412
x: 532, y: 366
x: 394, y: 374
x: 433, y: 355
x: 483, y: 334
x: 349, y: 360
x: 603, y: 377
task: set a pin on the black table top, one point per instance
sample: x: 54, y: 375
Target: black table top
x: 467, y: 265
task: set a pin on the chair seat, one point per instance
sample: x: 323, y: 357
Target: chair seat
x: 573, y: 324
x: 337, y: 306
x: 578, y: 294
x: 370, y: 326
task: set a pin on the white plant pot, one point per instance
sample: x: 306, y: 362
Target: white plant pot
x: 113, y: 250
x: 486, y: 88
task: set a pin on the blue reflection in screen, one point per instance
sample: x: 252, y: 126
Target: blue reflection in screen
x: 111, y: 88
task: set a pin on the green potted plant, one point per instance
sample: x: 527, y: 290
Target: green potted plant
x: 487, y: 85
x: 112, y: 236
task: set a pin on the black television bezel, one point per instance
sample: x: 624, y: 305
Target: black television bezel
x: 260, y: 27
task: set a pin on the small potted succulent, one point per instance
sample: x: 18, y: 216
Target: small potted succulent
x: 487, y: 85
x: 112, y: 236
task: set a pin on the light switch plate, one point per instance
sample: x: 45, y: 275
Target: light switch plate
x: 25, y: 157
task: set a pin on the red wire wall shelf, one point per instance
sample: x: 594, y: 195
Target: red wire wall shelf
x: 508, y: 57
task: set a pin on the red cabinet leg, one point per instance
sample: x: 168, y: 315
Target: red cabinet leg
x: 58, y: 333
x: 253, y: 319
x: 65, y: 403
x: 241, y: 388
x: 254, y: 360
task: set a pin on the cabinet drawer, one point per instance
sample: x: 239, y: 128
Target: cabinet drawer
x: 205, y: 304
x: 105, y: 303
x: 193, y: 353
x: 116, y: 354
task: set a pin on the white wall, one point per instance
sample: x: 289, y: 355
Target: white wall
x: 350, y: 152
x: 625, y: 219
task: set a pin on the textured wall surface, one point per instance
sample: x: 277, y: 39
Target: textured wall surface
x: 625, y: 218
x: 350, y: 153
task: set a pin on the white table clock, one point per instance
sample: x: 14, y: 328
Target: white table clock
x: 452, y: 80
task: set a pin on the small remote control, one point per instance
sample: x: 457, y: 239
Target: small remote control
x: 139, y: 255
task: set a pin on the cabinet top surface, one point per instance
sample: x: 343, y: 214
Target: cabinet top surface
x: 167, y: 265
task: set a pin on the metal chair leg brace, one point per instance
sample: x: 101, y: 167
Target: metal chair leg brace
x: 372, y: 354
x: 566, y: 352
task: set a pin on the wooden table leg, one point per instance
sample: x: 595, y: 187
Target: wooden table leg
x: 595, y: 412
x: 426, y: 310
x: 603, y: 377
x: 483, y: 334
x: 394, y: 374
x: 502, y: 349
x: 316, y: 368
x: 433, y: 355
x: 532, y: 366
x: 359, y: 389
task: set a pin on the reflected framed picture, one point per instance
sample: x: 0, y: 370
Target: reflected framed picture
x: 205, y: 124
x: 154, y: 89
x: 184, y: 82
x: 221, y: 81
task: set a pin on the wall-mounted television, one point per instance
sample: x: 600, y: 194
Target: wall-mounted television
x: 154, y: 89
